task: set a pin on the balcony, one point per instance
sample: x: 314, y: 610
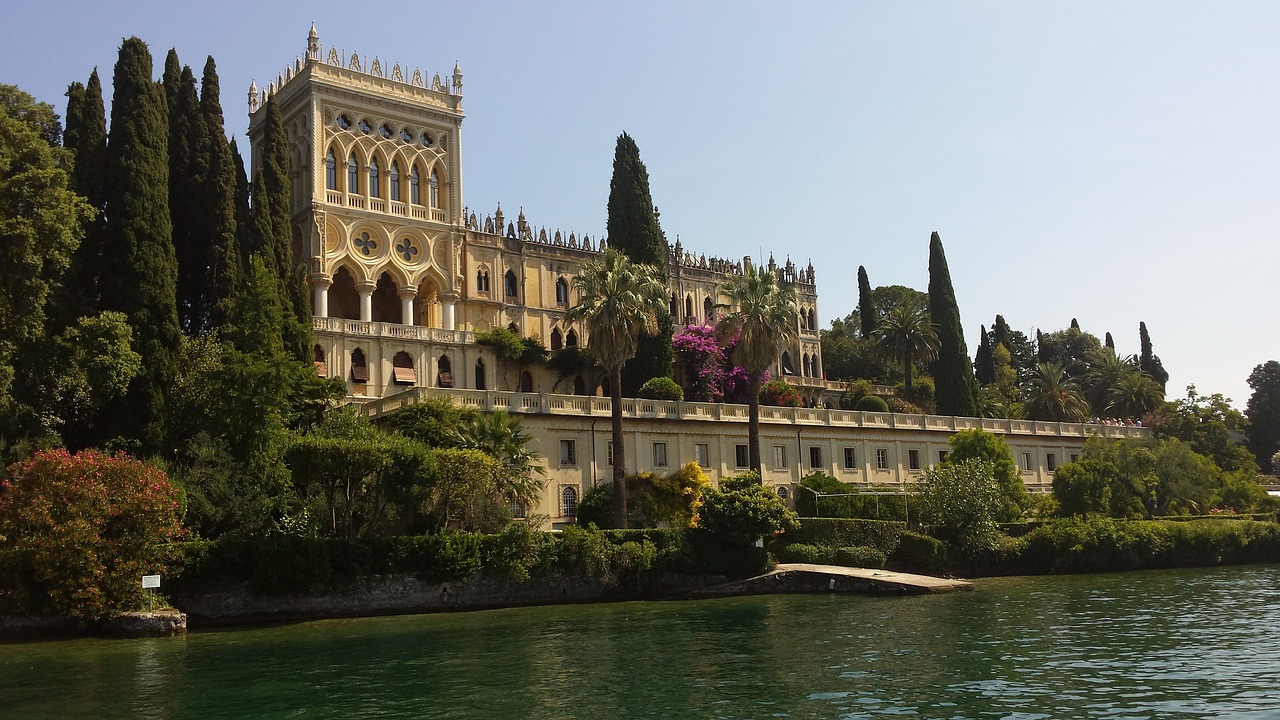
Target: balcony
x: 389, y: 207
x: 343, y: 326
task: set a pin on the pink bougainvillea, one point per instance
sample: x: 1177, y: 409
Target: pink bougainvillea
x: 706, y: 366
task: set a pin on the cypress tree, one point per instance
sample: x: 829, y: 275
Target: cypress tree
x: 186, y: 167
x: 218, y: 210
x: 1001, y: 334
x: 86, y: 137
x: 633, y: 230
x: 954, y: 373
x: 1110, y: 343
x: 1042, y: 352
x: 1075, y: 324
x: 984, y: 363
x: 866, y: 307
x: 139, y: 270
x: 243, y: 236
x: 1149, y: 362
x: 277, y: 247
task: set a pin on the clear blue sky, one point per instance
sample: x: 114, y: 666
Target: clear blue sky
x: 1108, y: 161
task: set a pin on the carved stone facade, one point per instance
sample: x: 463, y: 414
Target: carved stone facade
x: 402, y: 274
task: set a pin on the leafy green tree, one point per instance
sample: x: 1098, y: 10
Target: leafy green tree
x: 617, y: 301
x: 763, y: 315
x: 992, y: 449
x: 743, y: 510
x: 634, y: 231
x: 960, y: 503
x: 906, y: 335
x: 1210, y: 425
x: 984, y: 366
x: 432, y: 422
x: 1052, y: 395
x: 1148, y: 360
x: 1263, y: 411
x: 953, y: 372
x: 82, y: 529
x: 1071, y: 349
x: 499, y: 435
x: 847, y: 356
x: 1138, y: 478
x: 513, y: 352
x: 866, y: 307
x: 139, y: 270
x: 463, y: 493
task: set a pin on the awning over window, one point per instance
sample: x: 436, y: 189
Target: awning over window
x: 405, y: 375
x: 360, y: 373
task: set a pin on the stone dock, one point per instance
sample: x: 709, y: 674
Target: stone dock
x: 808, y: 578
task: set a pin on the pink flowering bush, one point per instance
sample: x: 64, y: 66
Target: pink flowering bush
x: 707, y: 367
x: 78, y: 532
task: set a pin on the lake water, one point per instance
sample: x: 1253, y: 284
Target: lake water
x: 1176, y: 644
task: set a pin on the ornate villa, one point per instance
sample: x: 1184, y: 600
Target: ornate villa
x: 403, y: 273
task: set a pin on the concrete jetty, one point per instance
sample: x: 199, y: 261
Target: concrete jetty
x: 810, y: 578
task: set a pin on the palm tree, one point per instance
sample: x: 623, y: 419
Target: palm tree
x: 1051, y: 395
x: 1106, y: 370
x: 906, y: 335
x: 1134, y: 395
x: 499, y: 435
x: 617, y: 299
x: 763, y: 314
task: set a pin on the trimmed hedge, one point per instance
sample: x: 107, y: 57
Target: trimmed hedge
x: 283, y: 565
x: 920, y: 552
x: 861, y: 556
x: 882, y: 535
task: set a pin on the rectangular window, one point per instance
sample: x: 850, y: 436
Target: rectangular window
x: 702, y: 453
x: 815, y: 458
x: 741, y: 456
x: 1026, y: 462
x: 1074, y: 457
x: 913, y: 459
x: 942, y: 455
x: 850, y: 459
x: 882, y: 458
x: 779, y: 457
x: 609, y: 460
x: 568, y: 452
x: 1051, y: 462
x: 659, y: 454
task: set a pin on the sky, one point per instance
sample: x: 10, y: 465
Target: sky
x: 1112, y: 162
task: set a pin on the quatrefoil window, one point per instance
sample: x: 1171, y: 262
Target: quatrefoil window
x: 407, y: 249
x: 366, y: 244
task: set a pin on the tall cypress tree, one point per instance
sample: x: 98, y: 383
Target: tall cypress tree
x: 186, y: 168
x: 218, y: 216
x: 1148, y: 361
x: 277, y: 248
x: 866, y: 307
x: 140, y: 271
x: 1001, y: 334
x: 633, y: 229
x: 1042, y: 351
x: 243, y: 236
x: 953, y: 374
x: 86, y: 136
x: 984, y: 362
x: 1109, y: 342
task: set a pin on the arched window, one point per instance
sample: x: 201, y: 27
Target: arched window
x: 330, y: 171
x: 579, y: 385
x: 444, y: 372
x: 569, y: 502
x: 813, y: 319
x: 804, y: 365
x: 322, y: 368
x: 708, y: 308
x: 675, y: 305
x: 526, y: 382
x: 375, y: 190
x: 482, y: 281
x: 435, y: 189
x: 571, y: 338
x: 688, y: 309
x: 787, y: 367
x: 402, y: 365
x: 557, y: 339
x: 353, y: 174
x: 784, y: 493
x: 562, y: 292
x: 415, y: 187
x: 480, y: 374
x: 359, y: 368
x: 509, y: 284
x: 394, y: 181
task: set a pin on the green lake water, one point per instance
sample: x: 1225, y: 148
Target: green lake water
x: 1175, y: 644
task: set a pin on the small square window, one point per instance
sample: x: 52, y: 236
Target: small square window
x: 568, y: 452
x: 1051, y: 462
x: 882, y: 458
x: 1026, y: 462
x: 815, y: 457
x: 850, y: 459
x: 1074, y: 457
x: 702, y: 453
x: 659, y: 454
x: 942, y: 455
x: 779, y: 457
x: 741, y: 456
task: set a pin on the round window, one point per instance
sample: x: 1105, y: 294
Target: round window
x: 365, y: 244
x: 427, y: 140
x: 385, y: 130
x: 406, y: 136
x: 365, y: 127
x: 344, y: 122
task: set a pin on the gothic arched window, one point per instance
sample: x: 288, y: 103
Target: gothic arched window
x: 353, y: 174
x: 480, y: 375
x: 557, y: 339
x: 482, y: 281
x: 415, y: 187
x: 526, y: 382
x: 394, y: 181
x: 509, y: 284
x: 359, y: 368
x: 562, y: 292
x: 330, y: 171
x: 444, y: 372
x: 688, y: 309
x: 708, y: 308
x: 571, y: 338
x: 569, y: 502
x: 435, y: 189
x: 374, y: 189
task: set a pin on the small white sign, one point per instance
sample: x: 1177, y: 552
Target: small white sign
x: 150, y: 581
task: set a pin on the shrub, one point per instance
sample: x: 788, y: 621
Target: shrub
x: 854, y: 392
x: 860, y: 556
x: 802, y: 553
x: 960, y: 504
x: 979, y: 444
x: 780, y: 393
x: 661, y: 388
x: 904, y: 407
x: 743, y: 510
x: 839, y: 532
x: 920, y: 394
x: 872, y: 403
x: 920, y: 552
x: 79, y: 531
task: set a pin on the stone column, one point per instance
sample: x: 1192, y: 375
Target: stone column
x: 407, y: 293
x: 446, y: 305
x: 320, y: 295
x: 366, y: 300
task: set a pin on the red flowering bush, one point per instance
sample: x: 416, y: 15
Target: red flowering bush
x: 77, y: 532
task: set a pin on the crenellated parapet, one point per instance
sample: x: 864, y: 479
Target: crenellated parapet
x: 450, y: 85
